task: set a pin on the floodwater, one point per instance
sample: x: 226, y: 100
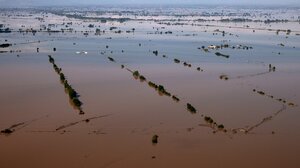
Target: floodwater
x: 122, y: 114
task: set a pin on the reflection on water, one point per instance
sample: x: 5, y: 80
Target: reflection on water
x: 151, y: 99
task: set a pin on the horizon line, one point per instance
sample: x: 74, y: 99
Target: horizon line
x: 292, y: 5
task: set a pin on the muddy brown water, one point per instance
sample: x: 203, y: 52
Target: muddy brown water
x: 32, y: 93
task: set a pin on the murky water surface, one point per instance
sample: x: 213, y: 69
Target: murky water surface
x: 246, y: 112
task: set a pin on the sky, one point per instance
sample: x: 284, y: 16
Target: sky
x: 28, y: 3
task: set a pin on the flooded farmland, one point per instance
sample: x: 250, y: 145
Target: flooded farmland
x: 150, y: 86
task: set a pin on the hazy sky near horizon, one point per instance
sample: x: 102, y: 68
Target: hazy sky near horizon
x: 21, y: 3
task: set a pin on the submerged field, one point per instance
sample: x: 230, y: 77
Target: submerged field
x: 146, y: 87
